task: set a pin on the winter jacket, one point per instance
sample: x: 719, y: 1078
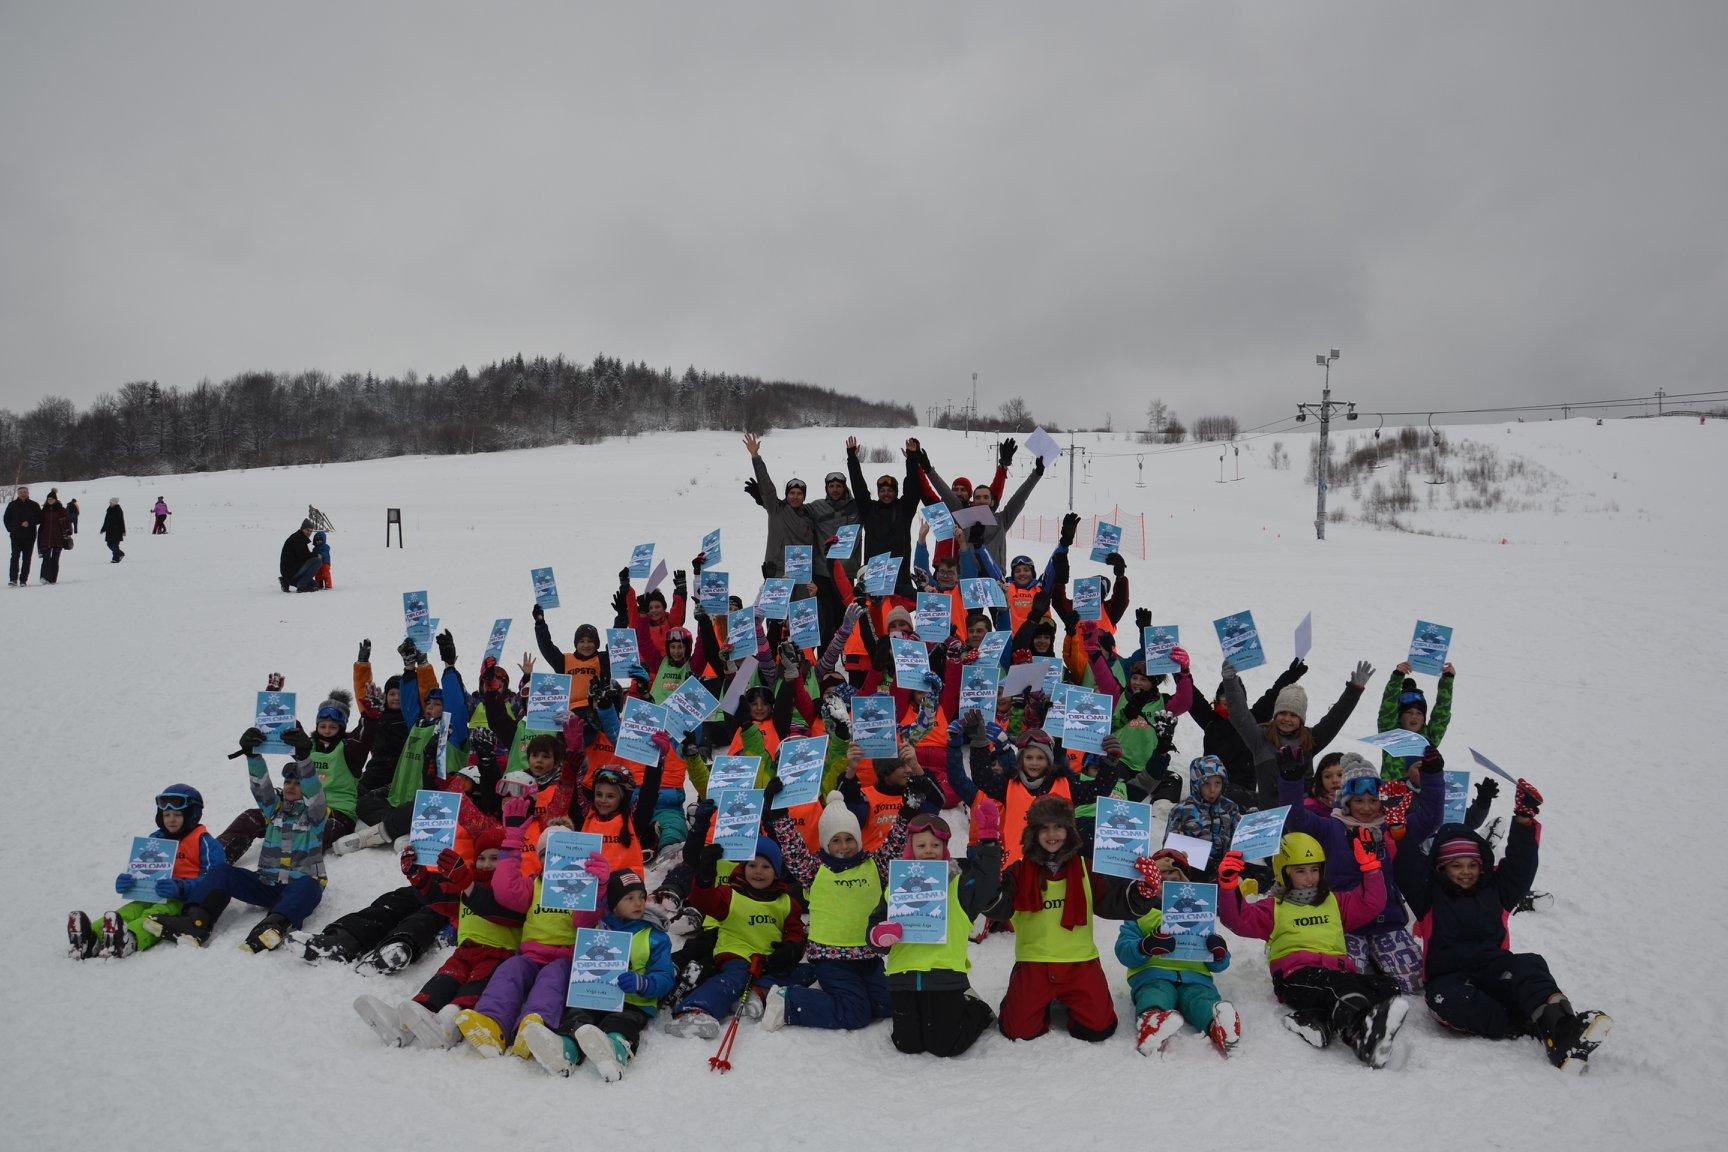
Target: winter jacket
x: 980, y: 880
x: 888, y: 527
x: 1460, y: 930
x: 1223, y: 741
x: 22, y: 518
x: 1399, y: 767
x: 1215, y: 821
x: 786, y: 524
x: 296, y: 550
x: 804, y: 866
x: 114, y: 524
x: 1144, y: 969
x: 829, y: 516
x: 1342, y: 872
x: 56, y: 528
x: 1259, y: 920
x: 294, y: 839
x: 719, y: 901
x: 1006, y: 512
x: 1264, y: 751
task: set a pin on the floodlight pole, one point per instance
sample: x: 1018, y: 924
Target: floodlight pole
x: 1324, y: 410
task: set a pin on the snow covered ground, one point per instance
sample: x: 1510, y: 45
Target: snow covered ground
x: 1586, y: 648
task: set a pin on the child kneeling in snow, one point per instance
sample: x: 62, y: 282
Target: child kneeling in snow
x: 934, y: 1008
x: 1166, y: 990
x: 1477, y: 985
x: 1303, y: 923
x: 603, y: 1040
x: 1051, y: 896
x: 759, y: 928
x: 844, y: 884
x: 179, y: 810
x: 487, y: 934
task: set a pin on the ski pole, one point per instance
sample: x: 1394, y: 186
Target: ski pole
x: 721, y: 1061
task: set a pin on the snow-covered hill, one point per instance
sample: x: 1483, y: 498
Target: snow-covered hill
x: 1586, y: 648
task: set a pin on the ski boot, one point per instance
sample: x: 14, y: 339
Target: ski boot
x: 1226, y: 1029
x: 81, y: 940
x: 558, y: 1055
x: 266, y: 935
x: 1310, y: 1027
x: 193, y: 925
x: 366, y: 836
x: 520, y: 1048
x: 390, y: 956
x: 694, y: 1022
x: 431, y: 1030
x: 606, y: 1052
x: 774, y: 1009
x: 668, y: 901
x: 481, y: 1031
x: 688, y: 977
x: 383, y: 1020
x: 1157, y: 1027
x: 330, y: 944
x: 117, y: 940
x: 1535, y: 902
x: 752, y: 1006
x: 1372, y: 1038
x: 1569, y: 1037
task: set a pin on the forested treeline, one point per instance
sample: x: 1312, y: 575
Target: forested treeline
x: 267, y: 418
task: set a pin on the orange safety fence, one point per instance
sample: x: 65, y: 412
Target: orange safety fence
x: 1048, y: 530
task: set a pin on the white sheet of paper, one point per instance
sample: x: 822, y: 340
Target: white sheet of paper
x: 1042, y: 445
x: 1305, y: 636
x: 740, y: 681
x: 655, y: 576
x: 1198, y: 851
x: 976, y: 514
x: 1021, y: 677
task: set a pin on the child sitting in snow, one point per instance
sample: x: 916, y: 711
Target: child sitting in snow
x: 1207, y: 814
x: 759, y: 928
x: 1303, y: 923
x: 1168, y: 991
x: 1477, y: 986
x: 179, y: 810
x: 934, y: 1008
x: 487, y: 934
x: 606, y: 1041
x: 321, y: 545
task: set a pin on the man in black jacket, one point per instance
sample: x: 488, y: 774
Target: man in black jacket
x: 299, y: 564
x: 887, y: 520
x: 23, y: 517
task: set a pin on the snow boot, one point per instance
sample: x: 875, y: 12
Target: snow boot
x: 266, y: 935
x: 1226, y: 1029
x: 193, y: 925
x: 694, y: 1022
x: 330, y: 944
x: 1373, y: 1038
x: 688, y: 977
x: 753, y: 1005
x: 606, y: 1052
x: 668, y: 901
x: 557, y: 1055
x: 520, y: 1048
x: 81, y: 939
x: 1157, y: 1027
x: 1535, y: 902
x: 365, y: 836
x: 481, y: 1031
x: 1310, y: 1027
x: 117, y: 941
x: 390, y: 956
x: 431, y: 1029
x: 774, y: 1009
x: 1569, y: 1037
x: 383, y: 1019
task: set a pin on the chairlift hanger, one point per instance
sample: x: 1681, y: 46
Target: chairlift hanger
x: 1435, y: 477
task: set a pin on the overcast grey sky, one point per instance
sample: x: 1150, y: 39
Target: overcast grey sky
x: 1085, y: 204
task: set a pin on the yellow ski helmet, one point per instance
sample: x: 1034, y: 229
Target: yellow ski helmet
x: 1296, y: 848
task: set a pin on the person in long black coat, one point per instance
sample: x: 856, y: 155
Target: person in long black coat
x: 114, y: 529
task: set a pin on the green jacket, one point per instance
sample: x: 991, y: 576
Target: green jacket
x: 1439, y: 716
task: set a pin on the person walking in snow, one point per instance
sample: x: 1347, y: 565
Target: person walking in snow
x: 23, y: 517
x: 114, y: 529
x: 161, y: 513
x: 53, y: 536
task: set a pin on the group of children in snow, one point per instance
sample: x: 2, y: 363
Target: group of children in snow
x: 800, y: 932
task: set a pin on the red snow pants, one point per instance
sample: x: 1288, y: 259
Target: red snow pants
x: 1078, y: 986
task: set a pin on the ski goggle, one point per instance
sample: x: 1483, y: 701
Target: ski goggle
x: 173, y: 802
x: 1361, y: 786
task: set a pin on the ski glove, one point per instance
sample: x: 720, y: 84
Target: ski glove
x: 1117, y: 564
x: 633, y: 983
x: 167, y: 888
x: 1142, y: 618
x: 1070, y: 525
x: 1526, y: 801
x: 365, y: 656
x: 408, y: 652
x: 1432, y: 761
x: 1151, y: 881
x: 297, y: 739
x: 446, y: 647
x: 1215, y: 945
x: 250, y: 740
x: 273, y: 682
x: 770, y: 791
x: 1180, y: 656
x: 753, y: 490
x: 1486, y: 790
x: 1364, y: 670
x: 988, y: 817
x: 517, y: 810
x: 1363, y: 847
x: 123, y: 883
x: 1005, y: 452
x: 1230, y: 870
x: 539, y: 614
x: 1290, y: 765
x: 1157, y: 944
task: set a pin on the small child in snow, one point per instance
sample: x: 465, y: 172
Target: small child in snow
x: 321, y: 545
x: 179, y: 810
x: 759, y: 928
x: 1303, y: 923
x: 934, y: 1008
x: 1168, y: 991
x: 1477, y: 986
x: 1207, y: 814
x: 606, y: 1041
x: 487, y: 934
x: 289, y: 879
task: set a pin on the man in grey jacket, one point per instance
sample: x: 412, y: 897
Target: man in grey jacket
x: 837, y: 508
x: 789, y: 521
x: 995, y: 535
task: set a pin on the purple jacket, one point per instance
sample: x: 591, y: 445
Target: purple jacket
x: 1426, y: 815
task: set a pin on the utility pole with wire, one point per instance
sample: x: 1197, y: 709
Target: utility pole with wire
x: 1659, y: 395
x: 972, y: 415
x: 1324, y: 410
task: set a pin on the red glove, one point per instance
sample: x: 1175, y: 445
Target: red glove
x: 1180, y: 656
x: 1363, y: 847
x: 1230, y: 870
x: 1151, y: 881
x: 886, y: 934
x: 663, y: 742
x: 410, y: 861
x: 273, y: 682
x: 454, y: 869
x: 1526, y: 801
x: 988, y: 817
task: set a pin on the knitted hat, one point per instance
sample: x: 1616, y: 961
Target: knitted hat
x: 1292, y: 698
x: 770, y: 851
x: 1410, y: 696
x: 392, y: 683
x: 489, y: 837
x: 898, y: 614
x: 435, y: 694
x: 835, y: 819
x: 1457, y: 848
x: 961, y: 483
x: 620, y: 884
x: 1355, y: 767
x: 588, y: 631
x: 337, y: 706
x: 305, y: 525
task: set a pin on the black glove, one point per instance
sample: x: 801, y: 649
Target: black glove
x: 975, y: 535
x: 1486, y: 790
x: 1296, y: 671
x: 1005, y: 452
x: 297, y: 739
x: 1040, y: 606
x: 603, y: 693
x: 971, y: 722
x: 539, y: 614
x: 250, y: 739
x: 1432, y: 761
x: 754, y: 490
x: 408, y: 652
x: 939, y: 660
x: 1215, y: 945
x: 708, y: 865
x: 783, y: 957
x: 1142, y: 618
x: 679, y: 586
x: 1157, y: 944
x: 1070, y: 525
x: 620, y: 605
x: 1290, y: 765
x: 446, y: 647
x: 365, y: 656
x: 1164, y: 723
x: 1117, y: 564
x: 1107, y: 642
x: 775, y: 784
x: 484, y: 748
x: 697, y: 561
x: 770, y: 570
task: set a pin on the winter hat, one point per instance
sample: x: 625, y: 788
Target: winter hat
x: 1458, y: 848
x: 1292, y: 698
x: 770, y: 851
x: 1180, y: 859
x: 587, y: 630
x: 898, y: 614
x: 835, y: 819
x: 489, y: 837
x: 337, y: 706
x: 393, y: 684
x: 1356, y: 767
x: 470, y: 773
x: 1048, y: 811
x: 1410, y: 696
x: 620, y: 884
x: 435, y: 694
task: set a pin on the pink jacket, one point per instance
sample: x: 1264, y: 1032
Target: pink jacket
x: 513, y: 886
x: 1358, y: 906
